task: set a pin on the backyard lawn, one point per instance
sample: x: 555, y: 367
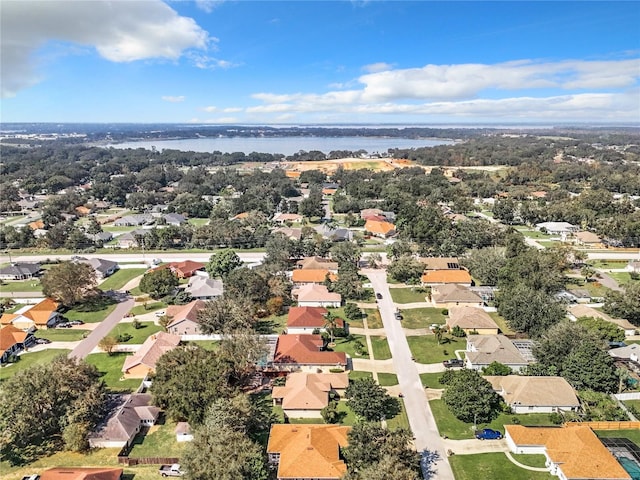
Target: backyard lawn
x: 491, y: 465
x: 408, y: 295
x: 347, y: 346
x: 137, y: 335
x: 20, y: 286
x: 110, y: 367
x: 158, y: 441
x: 633, y: 435
x: 29, y: 359
x: 387, y: 379
x: 198, y: 222
x: 150, y: 307
x: 91, y: 312
x: 275, y: 324
x: 381, y: 350
x: 502, y: 323
x: 422, y: 317
x: 62, y: 334
x: 425, y: 348
x: 121, y: 278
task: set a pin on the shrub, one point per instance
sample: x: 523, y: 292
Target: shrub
x: 555, y: 418
x: 124, y: 337
x: 445, y: 311
x: 336, y: 370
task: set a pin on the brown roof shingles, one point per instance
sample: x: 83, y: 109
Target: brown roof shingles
x: 305, y: 350
x: 151, y: 350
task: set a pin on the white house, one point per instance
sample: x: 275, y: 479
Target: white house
x: 183, y: 432
x: 482, y: 350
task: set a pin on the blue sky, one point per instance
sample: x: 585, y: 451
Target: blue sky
x: 313, y: 62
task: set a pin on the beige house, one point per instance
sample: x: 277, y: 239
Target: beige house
x: 535, y: 394
x: 143, y: 362
x: 577, y: 311
x: 472, y: 320
x: 450, y: 296
x: 306, y: 394
x: 314, y: 295
x: 184, y: 318
x: 588, y: 239
x: 482, y: 350
x: 318, y: 263
x: 440, y: 263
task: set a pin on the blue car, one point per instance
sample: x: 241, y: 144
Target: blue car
x: 488, y: 434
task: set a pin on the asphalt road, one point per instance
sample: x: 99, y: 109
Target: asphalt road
x: 421, y: 419
x: 86, y: 346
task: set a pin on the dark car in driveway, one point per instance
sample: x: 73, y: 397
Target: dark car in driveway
x: 42, y: 341
x: 488, y: 434
x: 379, y: 296
x: 64, y: 325
x: 453, y: 362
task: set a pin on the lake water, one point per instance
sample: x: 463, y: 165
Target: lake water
x: 284, y: 145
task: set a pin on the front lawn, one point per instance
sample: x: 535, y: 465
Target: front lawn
x: 422, y: 317
x: 347, y: 346
x: 381, y: 350
x: 431, y: 380
x: 148, y: 308
x: 374, y: 320
x: 121, y: 278
x: 30, y: 359
x: 387, y: 379
x: 110, y: 368
x: 425, y: 348
x: 491, y: 465
x: 92, y: 312
x: 622, y: 277
x: 537, y: 461
x: 158, y: 441
x: 408, y: 295
x: 456, y: 429
x: 355, y: 374
x: 399, y: 421
x: 32, y: 285
x: 62, y: 334
x: 608, y: 264
x: 138, y: 335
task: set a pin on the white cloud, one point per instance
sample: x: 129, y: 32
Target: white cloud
x: 120, y: 31
x: 232, y: 109
x: 171, y: 99
x: 208, y: 5
x: 377, y: 67
x: 209, y: 109
x: 204, y: 61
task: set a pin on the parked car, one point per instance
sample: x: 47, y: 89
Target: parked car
x: 453, y: 362
x: 379, y: 296
x: 64, y: 325
x: 171, y: 470
x: 399, y: 316
x: 42, y: 341
x: 76, y: 322
x: 488, y: 434
x: 161, y: 313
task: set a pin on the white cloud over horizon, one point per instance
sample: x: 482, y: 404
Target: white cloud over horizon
x: 120, y: 31
x: 172, y: 99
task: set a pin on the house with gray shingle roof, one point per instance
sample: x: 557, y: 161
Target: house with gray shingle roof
x: 20, y: 271
x: 482, y: 350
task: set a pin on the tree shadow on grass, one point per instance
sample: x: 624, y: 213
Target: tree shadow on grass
x: 95, y: 304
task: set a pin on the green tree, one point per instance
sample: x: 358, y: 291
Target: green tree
x: 497, y: 368
x: 348, y: 284
x: 221, y: 453
x: 370, y: 401
x: 352, y: 311
x: 249, y: 284
x: 555, y: 344
x: 69, y: 283
x: 528, y: 310
x: 225, y: 315
x: 387, y: 468
x: 347, y: 254
x: 250, y: 415
x: 607, y: 331
x: 589, y: 366
x: 405, y: 269
x: 159, y: 283
x: 330, y: 324
x: 504, y: 209
x: 624, y: 304
x: 485, y: 264
x: 107, y: 344
x: 330, y: 413
x: 222, y: 263
x: 470, y: 397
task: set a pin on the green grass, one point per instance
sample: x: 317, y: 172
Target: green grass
x: 594, y: 288
x: 150, y: 307
x: 110, y: 367
x: 32, y: 285
x: 399, y: 421
x: 547, y: 243
x: 622, y: 277
x: 422, y: 317
x: 374, y: 320
x: 121, y: 278
x: 62, y: 334
x: 456, y: 429
x: 381, y: 350
x: 210, y: 345
x: 28, y: 360
x: 198, y: 222
x: 425, y: 348
x: 502, y: 323
x: 275, y: 324
x: 407, y: 295
x: 491, y: 465
x: 15, y: 308
x: 342, y: 345
x: 633, y: 435
x: 537, y: 461
x: 91, y: 313
x: 353, y: 374
x: 535, y: 234
x: 158, y: 441
x: 431, y: 380
x: 387, y: 379
x: 608, y: 264
x: 137, y: 335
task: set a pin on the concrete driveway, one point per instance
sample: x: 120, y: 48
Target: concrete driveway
x: 419, y: 413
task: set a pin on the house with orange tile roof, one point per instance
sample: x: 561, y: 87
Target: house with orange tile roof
x: 37, y: 225
x: 82, y: 211
x: 144, y: 361
x: 241, y: 216
x: 329, y: 191
x: 287, y: 217
x: 300, y: 276
x: 305, y: 452
x: 185, y: 269
x: 303, y: 320
x: 446, y: 277
x: 13, y: 341
x: 378, y: 228
x: 571, y: 453
x: 42, y: 315
x: 184, y: 318
x: 306, y: 394
x: 81, y: 473
x: 305, y: 353
x: 314, y: 295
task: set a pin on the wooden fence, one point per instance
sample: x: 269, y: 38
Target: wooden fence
x: 606, y: 425
x: 147, y: 461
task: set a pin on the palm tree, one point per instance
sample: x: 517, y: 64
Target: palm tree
x: 437, y: 331
x: 330, y: 324
x: 374, y: 260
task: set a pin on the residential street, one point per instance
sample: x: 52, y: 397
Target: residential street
x: 421, y: 419
x: 88, y: 344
